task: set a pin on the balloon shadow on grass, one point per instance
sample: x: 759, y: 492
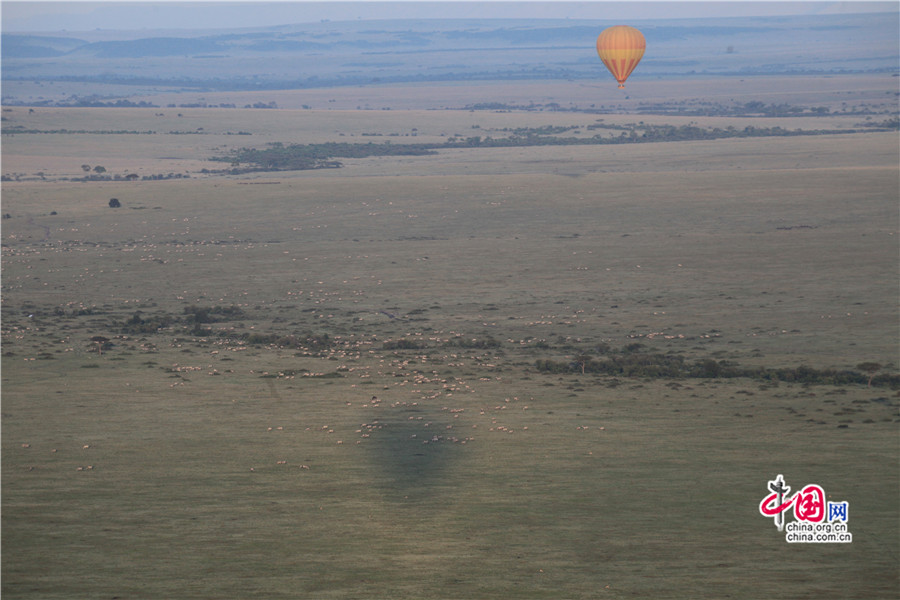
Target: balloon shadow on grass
x: 411, y: 456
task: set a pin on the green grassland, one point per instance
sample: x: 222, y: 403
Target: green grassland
x: 324, y: 384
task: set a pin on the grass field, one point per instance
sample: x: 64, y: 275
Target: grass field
x: 358, y: 414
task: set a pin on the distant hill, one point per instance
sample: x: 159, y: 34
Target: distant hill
x: 363, y: 52
x: 36, y: 46
x: 148, y: 48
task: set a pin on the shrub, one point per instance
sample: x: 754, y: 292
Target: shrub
x: 403, y: 344
x: 212, y: 314
x: 138, y: 324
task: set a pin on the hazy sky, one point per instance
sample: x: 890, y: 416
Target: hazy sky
x: 37, y: 15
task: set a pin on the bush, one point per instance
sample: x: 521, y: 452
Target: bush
x: 212, y: 314
x: 402, y: 345
x: 480, y: 344
x: 138, y: 324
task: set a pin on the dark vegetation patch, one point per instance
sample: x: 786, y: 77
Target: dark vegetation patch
x: 213, y: 314
x: 298, y: 157
x: 193, y: 316
x: 632, y: 361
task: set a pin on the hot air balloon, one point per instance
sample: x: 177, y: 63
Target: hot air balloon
x: 621, y: 48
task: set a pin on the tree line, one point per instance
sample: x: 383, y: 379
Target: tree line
x: 297, y: 157
x: 633, y: 362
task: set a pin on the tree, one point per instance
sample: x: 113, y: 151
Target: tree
x: 99, y: 169
x: 583, y: 360
x: 114, y: 203
x: 100, y: 341
x: 871, y: 368
x: 86, y: 168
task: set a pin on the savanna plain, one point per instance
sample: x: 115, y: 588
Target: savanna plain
x: 533, y: 371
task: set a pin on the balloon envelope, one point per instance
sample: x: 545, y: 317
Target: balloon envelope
x: 621, y: 48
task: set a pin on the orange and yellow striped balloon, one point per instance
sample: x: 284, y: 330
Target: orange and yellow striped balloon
x: 621, y: 48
